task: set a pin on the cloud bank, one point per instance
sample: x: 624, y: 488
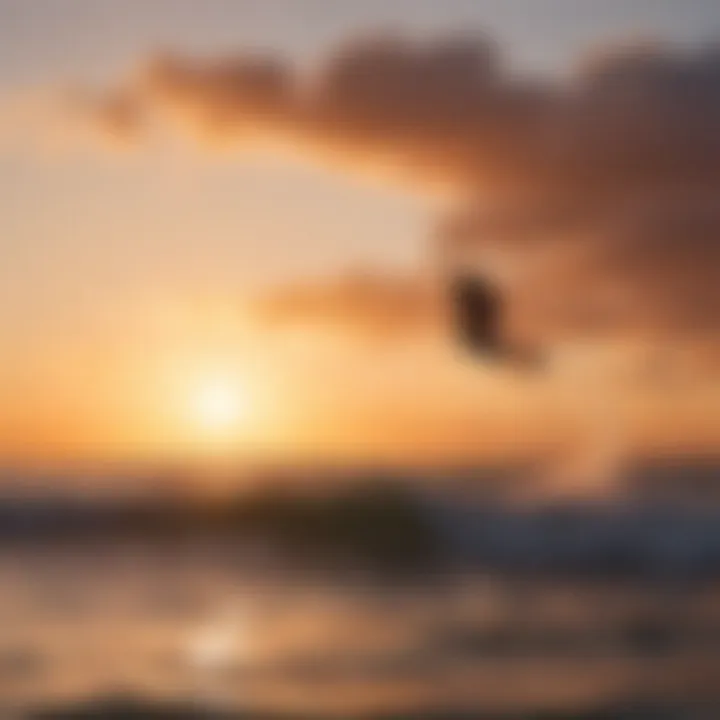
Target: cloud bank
x: 593, y: 196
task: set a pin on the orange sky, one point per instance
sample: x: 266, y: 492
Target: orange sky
x: 128, y: 279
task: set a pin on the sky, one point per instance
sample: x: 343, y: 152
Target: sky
x: 125, y: 273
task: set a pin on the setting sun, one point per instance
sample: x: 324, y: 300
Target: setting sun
x: 219, y: 404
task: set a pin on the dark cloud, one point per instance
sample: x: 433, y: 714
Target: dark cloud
x: 595, y: 196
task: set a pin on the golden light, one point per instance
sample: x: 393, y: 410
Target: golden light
x: 212, y: 647
x: 219, y: 404
x: 224, y: 640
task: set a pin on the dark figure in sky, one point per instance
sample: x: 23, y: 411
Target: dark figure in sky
x: 478, y: 307
x: 478, y: 312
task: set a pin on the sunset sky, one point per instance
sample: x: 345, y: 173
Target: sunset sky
x: 246, y: 272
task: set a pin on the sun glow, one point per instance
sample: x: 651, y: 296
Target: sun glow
x: 219, y: 405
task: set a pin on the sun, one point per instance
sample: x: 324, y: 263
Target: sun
x: 219, y: 404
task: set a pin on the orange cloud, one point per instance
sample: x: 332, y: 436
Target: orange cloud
x: 374, y: 305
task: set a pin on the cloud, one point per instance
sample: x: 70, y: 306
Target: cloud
x: 594, y: 196
x: 368, y: 304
